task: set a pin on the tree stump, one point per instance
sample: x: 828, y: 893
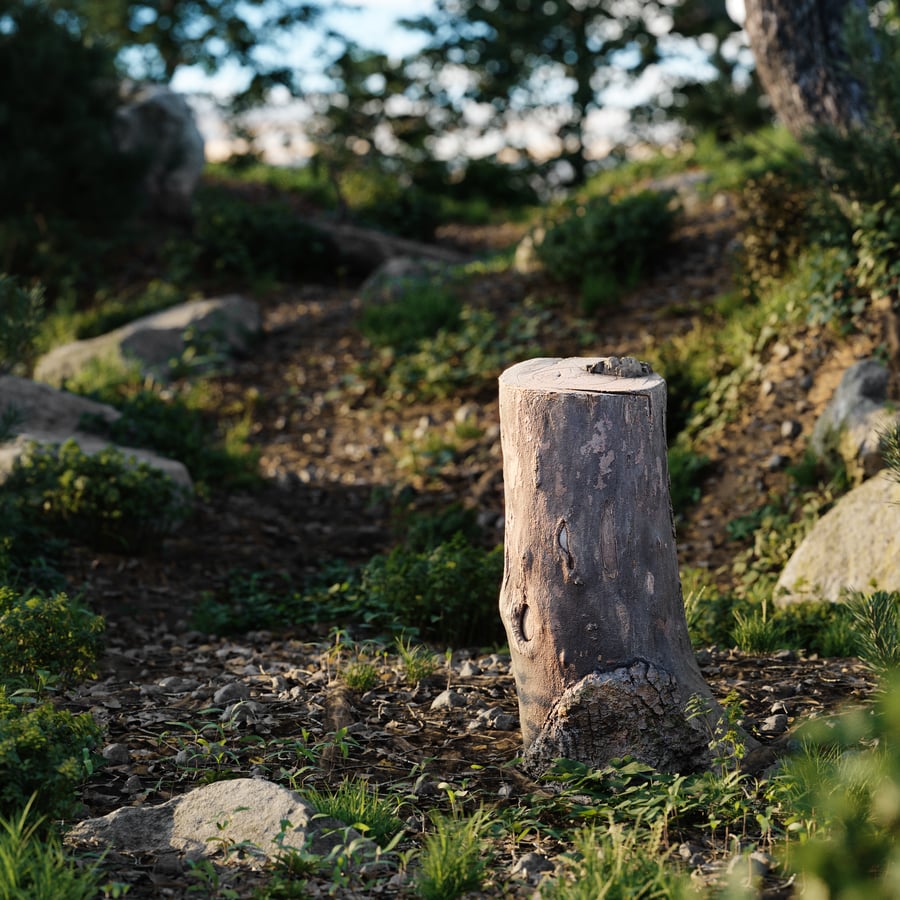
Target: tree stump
x: 591, y: 594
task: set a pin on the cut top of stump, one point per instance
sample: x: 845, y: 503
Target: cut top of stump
x: 583, y: 374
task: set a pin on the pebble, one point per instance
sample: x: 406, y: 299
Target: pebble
x: 790, y: 429
x: 133, y: 784
x: 447, y: 700
x: 469, y: 669
x: 775, y: 724
x: 228, y: 693
x: 242, y: 711
x: 776, y: 461
x: 530, y: 867
x: 116, y: 754
x: 175, y: 684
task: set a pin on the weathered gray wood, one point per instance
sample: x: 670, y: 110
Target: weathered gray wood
x: 591, y: 595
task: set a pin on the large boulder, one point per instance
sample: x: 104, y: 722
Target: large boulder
x: 48, y: 416
x: 158, y: 125
x: 221, y: 325
x: 854, y: 546
x: 262, y: 817
x: 855, y: 418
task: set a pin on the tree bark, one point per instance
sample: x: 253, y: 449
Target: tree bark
x: 591, y: 595
x: 801, y: 61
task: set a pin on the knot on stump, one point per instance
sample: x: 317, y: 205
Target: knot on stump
x: 636, y: 709
x: 621, y: 367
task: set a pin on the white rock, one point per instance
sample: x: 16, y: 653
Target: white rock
x: 226, y: 812
x: 854, y: 546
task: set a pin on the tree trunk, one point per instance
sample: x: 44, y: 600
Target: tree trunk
x: 801, y: 61
x: 591, y: 595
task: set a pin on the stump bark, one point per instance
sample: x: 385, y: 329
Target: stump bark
x: 591, y: 595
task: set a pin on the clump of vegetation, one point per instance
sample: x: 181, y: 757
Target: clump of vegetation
x: 45, y: 753
x: 104, y: 500
x: 605, y: 246
x: 22, y: 312
x: 34, y: 864
x: 50, y: 633
x: 419, y: 311
x: 454, y: 858
x: 359, y: 804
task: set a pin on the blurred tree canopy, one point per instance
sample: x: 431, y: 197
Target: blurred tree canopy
x: 559, y: 58
x: 152, y: 39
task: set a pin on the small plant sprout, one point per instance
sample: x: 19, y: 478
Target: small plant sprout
x: 418, y: 661
x: 453, y: 859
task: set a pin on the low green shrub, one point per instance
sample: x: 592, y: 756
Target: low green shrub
x: 44, y: 753
x: 454, y: 361
x: 102, y: 500
x: 21, y: 311
x: 605, y: 245
x: 447, y: 595
x: 236, y: 239
x: 420, y: 310
x: 53, y: 633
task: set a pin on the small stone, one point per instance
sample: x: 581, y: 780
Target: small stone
x: 530, y: 867
x: 781, y: 351
x: 116, y: 754
x: 774, y: 724
x: 133, y: 785
x: 447, y: 700
x: 790, y: 429
x: 469, y: 669
x: 766, y: 388
x: 786, y: 655
x: 237, y: 690
x: 776, y: 461
x: 778, y: 708
x: 242, y: 711
x: 465, y: 412
x: 175, y: 684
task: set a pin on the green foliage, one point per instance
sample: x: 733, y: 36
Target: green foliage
x: 359, y: 804
x: 890, y: 450
x: 360, y: 675
x: 617, y: 863
x: 453, y: 860
x: 103, y: 500
x: 248, y: 601
x: 44, y: 752
x: 686, y: 472
x: 239, y: 241
x: 21, y: 310
x: 34, y: 866
x: 420, y: 310
x: 774, y: 225
x: 605, y: 246
x: 876, y: 240
x: 453, y: 361
x: 418, y: 661
x: 841, y: 797
x: 175, y: 428
x: 876, y: 621
x: 50, y: 633
x: 448, y: 594
x: 57, y: 110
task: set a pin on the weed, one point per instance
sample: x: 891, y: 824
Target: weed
x: 21, y: 311
x: 453, y: 856
x: 418, y: 661
x: 34, y: 865
x: 358, y: 804
x: 618, y: 863
x: 756, y: 632
x: 360, y: 675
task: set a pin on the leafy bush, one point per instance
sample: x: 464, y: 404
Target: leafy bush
x: 172, y: 428
x: 51, y: 633
x: 103, y: 500
x: 606, y: 245
x: 448, y: 594
x: 234, y: 238
x: 43, y: 752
